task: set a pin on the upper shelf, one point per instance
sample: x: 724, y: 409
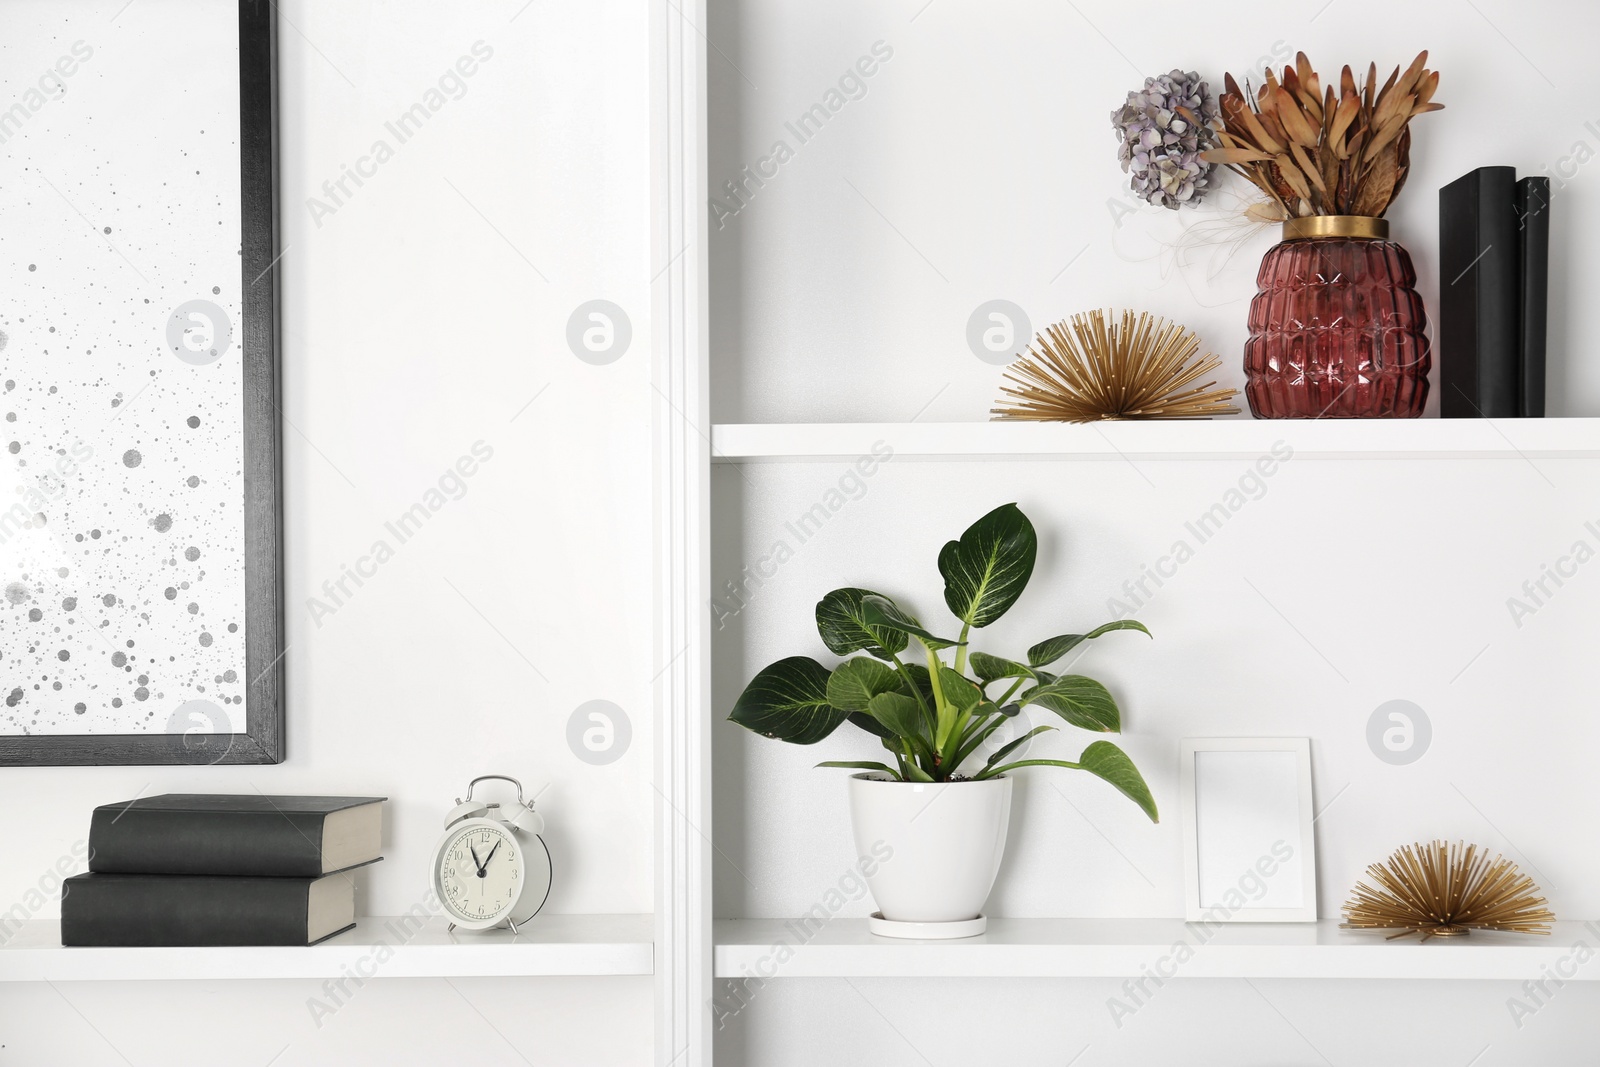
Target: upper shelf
x: 1122, y: 948
x: 547, y: 945
x: 1221, y: 439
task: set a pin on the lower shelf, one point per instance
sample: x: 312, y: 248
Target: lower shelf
x: 1131, y: 948
x: 377, y: 948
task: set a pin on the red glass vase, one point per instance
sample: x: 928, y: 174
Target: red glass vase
x: 1337, y: 329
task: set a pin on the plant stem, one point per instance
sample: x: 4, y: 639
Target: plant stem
x: 953, y: 742
x: 1007, y: 694
x: 911, y: 685
x: 899, y: 759
x: 990, y: 772
x: 942, y: 716
x: 961, y: 649
x: 976, y: 737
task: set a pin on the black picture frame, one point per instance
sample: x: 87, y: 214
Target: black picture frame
x: 263, y: 741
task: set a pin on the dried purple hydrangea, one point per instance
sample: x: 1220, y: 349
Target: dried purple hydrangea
x: 1163, y: 129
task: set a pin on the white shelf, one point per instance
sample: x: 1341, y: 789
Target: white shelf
x: 1123, y: 948
x: 549, y: 945
x: 1221, y: 439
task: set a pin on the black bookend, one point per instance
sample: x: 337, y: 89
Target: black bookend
x: 1533, y: 220
x: 1479, y: 296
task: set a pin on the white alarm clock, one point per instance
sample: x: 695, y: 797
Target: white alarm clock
x: 491, y: 868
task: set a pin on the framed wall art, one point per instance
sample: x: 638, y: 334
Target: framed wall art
x: 1248, y: 850
x: 140, y: 531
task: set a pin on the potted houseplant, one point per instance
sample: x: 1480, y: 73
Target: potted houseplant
x: 936, y: 812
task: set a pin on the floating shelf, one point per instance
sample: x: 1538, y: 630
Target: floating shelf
x: 549, y: 945
x: 1220, y: 439
x: 1129, y: 948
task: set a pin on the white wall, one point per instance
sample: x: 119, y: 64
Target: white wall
x: 415, y: 323
x: 978, y: 165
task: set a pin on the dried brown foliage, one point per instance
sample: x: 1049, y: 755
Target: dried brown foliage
x: 1322, y: 150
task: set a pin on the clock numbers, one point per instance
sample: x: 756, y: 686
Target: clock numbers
x: 480, y: 874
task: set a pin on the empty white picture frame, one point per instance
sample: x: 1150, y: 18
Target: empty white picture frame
x: 1248, y: 850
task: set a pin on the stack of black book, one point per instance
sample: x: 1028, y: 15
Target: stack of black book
x: 1494, y: 248
x: 186, y: 869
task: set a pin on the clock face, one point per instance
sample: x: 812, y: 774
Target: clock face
x: 480, y: 873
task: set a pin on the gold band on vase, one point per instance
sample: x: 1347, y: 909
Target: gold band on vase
x: 1336, y: 226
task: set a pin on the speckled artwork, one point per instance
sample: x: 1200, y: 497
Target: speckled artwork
x: 122, y: 515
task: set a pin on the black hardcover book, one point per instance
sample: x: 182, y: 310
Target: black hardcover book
x: 1480, y: 296
x: 1533, y: 218
x: 177, y: 833
x: 178, y: 910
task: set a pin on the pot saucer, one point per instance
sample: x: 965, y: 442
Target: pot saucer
x: 877, y: 924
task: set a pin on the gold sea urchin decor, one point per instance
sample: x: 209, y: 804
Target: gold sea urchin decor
x: 1440, y: 890
x: 1136, y: 368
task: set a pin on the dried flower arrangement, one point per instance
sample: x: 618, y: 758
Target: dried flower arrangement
x: 1163, y: 129
x: 1137, y: 368
x: 1441, y: 890
x: 1315, y: 151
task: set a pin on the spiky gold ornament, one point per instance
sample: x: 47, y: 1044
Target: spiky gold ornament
x: 1441, y: 890
x: 1138, y: 368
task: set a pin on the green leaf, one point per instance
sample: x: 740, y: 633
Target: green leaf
x: 1105, y: 760
x: 870, y: 725
x: 1102, y: 759
x: 863, y: 765
x: 988, y: 709
x: 882, y: 613
x: 856, y: 681
x: 919, y: 679
x: 1047, y: 652
x: 1005, y: 750
x: 844, y: 628
x: 959, y: 692
x: 987, y: 569
x: 789, y: 700
x: 901, y: 714
x: 1081, y: 701
x: 989, y: 668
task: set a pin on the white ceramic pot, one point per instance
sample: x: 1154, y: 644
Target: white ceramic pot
x: 944, y: 843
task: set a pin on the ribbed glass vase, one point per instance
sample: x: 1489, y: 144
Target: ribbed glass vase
x: 1337, y: 329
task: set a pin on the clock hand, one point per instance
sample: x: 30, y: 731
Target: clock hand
x: 475, y: 862
x: 490, y: 856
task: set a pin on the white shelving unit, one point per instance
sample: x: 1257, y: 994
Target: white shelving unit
x: 695, y: 953
x: 1221, y: 439
x: 566, y: 945
x: 1124, y: 948
x: 840, y: 291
